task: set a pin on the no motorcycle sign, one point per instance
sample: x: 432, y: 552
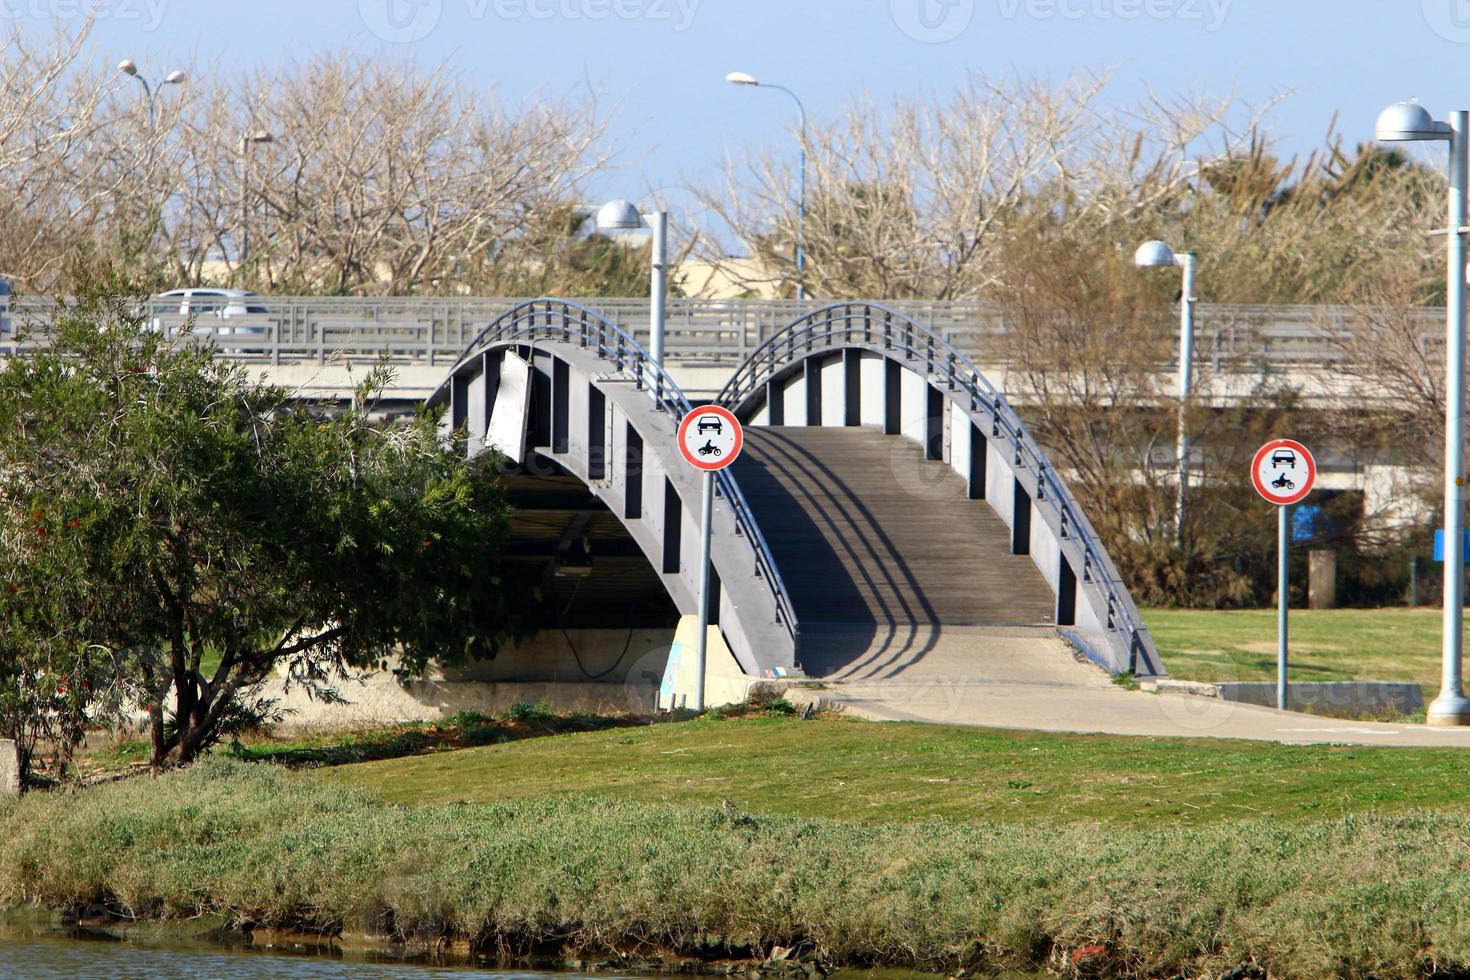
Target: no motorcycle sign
x: 1284, y: 472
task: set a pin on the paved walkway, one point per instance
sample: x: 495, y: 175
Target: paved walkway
x: 1030, y: 679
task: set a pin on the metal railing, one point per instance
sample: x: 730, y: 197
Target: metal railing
x: 570, y: 323
x: 430, y: 330
x: 879, y: 328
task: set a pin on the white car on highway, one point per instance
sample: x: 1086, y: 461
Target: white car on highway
x: 212, y: 309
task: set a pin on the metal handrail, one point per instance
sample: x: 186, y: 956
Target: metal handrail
x: 877, y: 327
x: 561, y: 320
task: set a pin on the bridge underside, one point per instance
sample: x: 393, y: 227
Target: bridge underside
x: 592, y: 572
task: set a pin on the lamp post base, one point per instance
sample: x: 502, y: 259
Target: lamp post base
x: 1448, y: 711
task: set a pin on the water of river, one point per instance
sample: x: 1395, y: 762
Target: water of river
x: 46, y: 952
x: 59, y: 955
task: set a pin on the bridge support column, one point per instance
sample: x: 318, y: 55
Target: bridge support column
x: 561, y: 405
x: 673, y: 528
x: 596, y: 434
x: 933, y: 423
x: 775, y: 404
x: 979, y: 457
x: 892, y: 398
x: 852, y: 395
x: 1020, y: 520
x: 632, y: 473
x: 812, y: 370
x: 1066, y: 592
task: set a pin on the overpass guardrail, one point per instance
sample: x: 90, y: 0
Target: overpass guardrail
x: 432, y: 330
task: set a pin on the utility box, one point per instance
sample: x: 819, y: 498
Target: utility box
x: 1322, y: 579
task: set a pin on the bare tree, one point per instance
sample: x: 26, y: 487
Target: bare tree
x: 51, y: 107
x: 381, y: 177
x: 919, y: 200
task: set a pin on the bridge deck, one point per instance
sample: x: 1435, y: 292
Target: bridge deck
x: 866, y: 531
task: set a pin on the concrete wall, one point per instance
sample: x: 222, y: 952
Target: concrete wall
x: 568, y: 656
x: 873, y: 389
x: 913, y: 411
x: 957, y: 441
x: 724, y: 681
x: 380, y: 699
x: 834, y: 392
x: 1333, y: 699
x: 1000, y: 482
x: 1340, y: 699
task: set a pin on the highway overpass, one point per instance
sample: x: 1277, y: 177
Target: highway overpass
x: 319, y: 346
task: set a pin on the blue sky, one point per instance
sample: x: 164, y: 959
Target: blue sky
x: 662, y: 62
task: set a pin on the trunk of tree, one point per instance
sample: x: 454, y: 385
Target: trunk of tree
x: 155, y: 733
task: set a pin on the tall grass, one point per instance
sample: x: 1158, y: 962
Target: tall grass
x: 1359, y: 896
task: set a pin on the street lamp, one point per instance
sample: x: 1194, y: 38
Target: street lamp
x: 741, y: 78
x: 246, y: 141
x: 1409, y: 122
x: 622, y: 216
x: 129, y: 67
x: 1155, y: 255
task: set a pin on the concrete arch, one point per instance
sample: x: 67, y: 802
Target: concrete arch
x: 862, y: 365
x: 552, y: 380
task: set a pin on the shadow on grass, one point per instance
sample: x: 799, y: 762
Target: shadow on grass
x: 467, y: 729
x: 462, y: 730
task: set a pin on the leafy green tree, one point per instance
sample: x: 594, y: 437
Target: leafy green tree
x: 178, y: 533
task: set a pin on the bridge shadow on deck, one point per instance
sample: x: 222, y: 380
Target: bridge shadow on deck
x: 879, y: 547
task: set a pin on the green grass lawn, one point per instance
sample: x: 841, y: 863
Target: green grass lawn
x: 876, y: 773
x: 1326, y: 645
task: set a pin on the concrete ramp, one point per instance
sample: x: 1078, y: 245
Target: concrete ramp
x: 909, y: 654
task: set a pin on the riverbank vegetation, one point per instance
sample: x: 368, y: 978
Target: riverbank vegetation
x: 578, y: 877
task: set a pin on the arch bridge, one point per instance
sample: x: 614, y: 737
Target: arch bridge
x: 888, y: 496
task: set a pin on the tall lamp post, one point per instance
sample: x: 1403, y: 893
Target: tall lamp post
x: 1154, y: 255
x: 622, y: 216
x: 1409, y: 122
x: 150, y: 94
x: 246, y: 141
x: 741, y: 78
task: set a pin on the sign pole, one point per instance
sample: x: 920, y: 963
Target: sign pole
x: 710, y: 439
x: 1282, y: 571
x: 1283, y: 472
x: 707, y: 508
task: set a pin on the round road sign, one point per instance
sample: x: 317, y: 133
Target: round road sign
x: 1283, y: 471
x: 710, y: 438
